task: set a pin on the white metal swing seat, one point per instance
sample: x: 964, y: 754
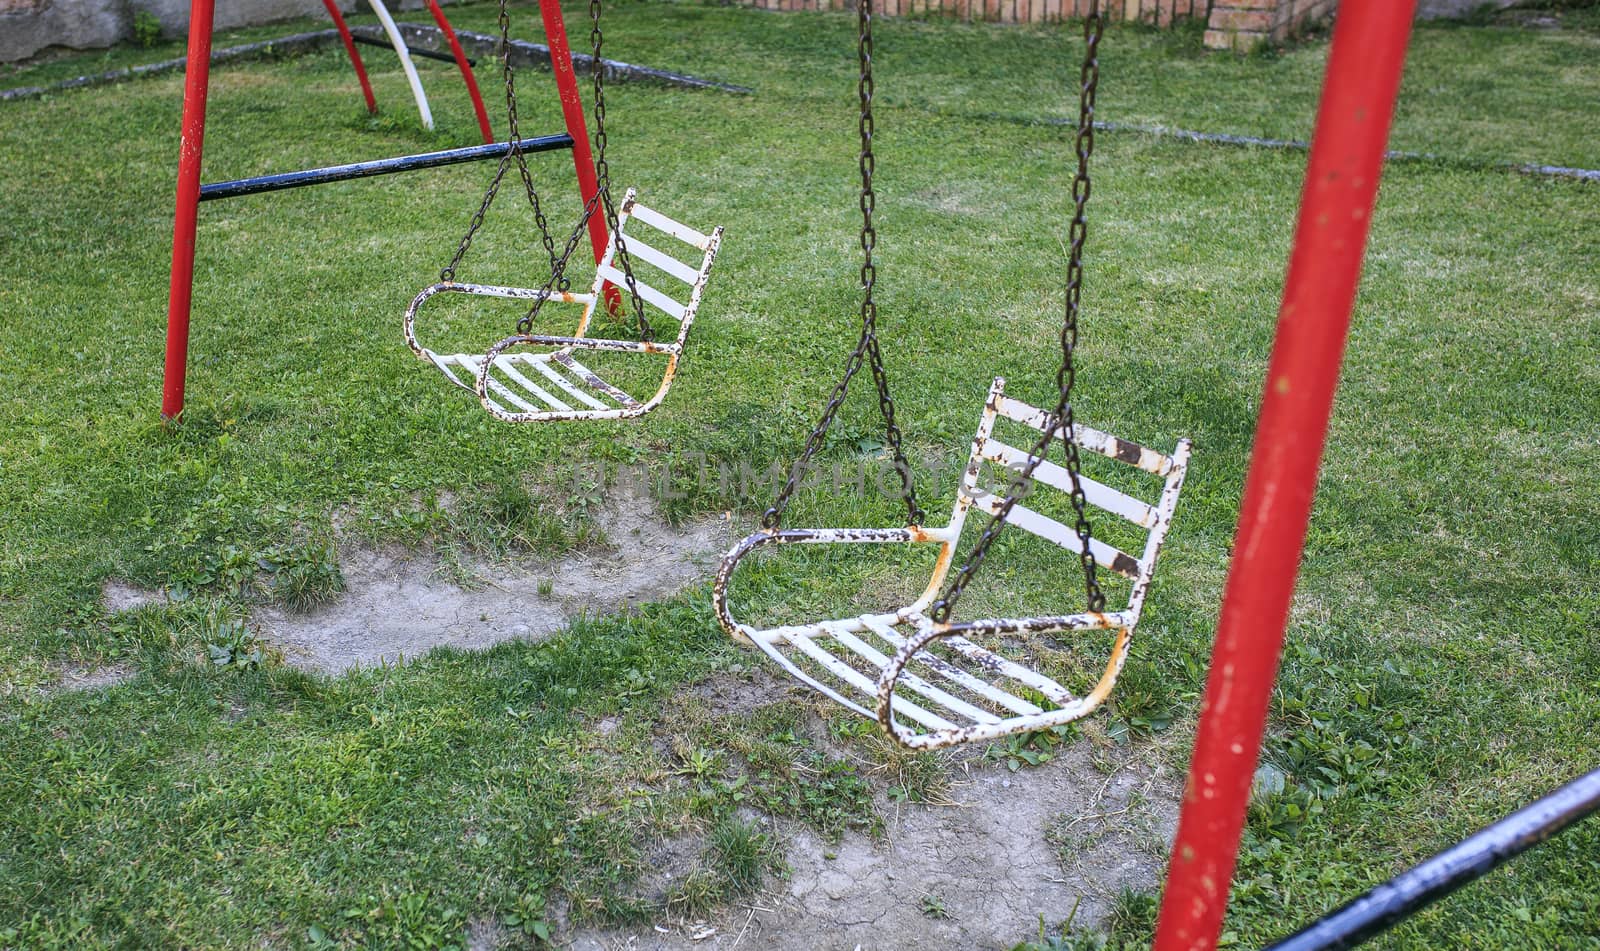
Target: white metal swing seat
x: 929, y: 684
x: 522, y: 386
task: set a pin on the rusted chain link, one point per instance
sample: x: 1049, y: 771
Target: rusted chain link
x: 448, y: 273
x: 867, y: 346
x: 525, y: 325
x: 602, y: 170
x: 515, y: 154
x: 1062, y: 419
x: 869, y: 271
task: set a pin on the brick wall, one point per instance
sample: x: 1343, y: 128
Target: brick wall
x: 1246, y: 24
x: 1230, y: 24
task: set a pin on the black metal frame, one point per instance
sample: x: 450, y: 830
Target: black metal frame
x: 388, y: 166
x: 413, y: 50
x: 1409, y: 892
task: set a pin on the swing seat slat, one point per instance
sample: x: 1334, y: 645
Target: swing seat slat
x: 682, y: 232
x: 666, y: 262
x: 1051, y: 530
x: 1099, y: 495
x: 647, y: 293
x: 934, y: 685
x: 509, y: 381
x: 955, y: 674
x: 1091, y: 439
x: 518, y: 384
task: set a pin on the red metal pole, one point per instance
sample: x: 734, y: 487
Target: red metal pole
x: 464, y: 66
x: 555, y: 32
x: 1358, y: 94
x: 355, y: 57
x: 197, y: 78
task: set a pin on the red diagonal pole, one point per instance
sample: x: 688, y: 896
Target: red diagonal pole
x: 555, y: 34
x: 197, y: 77
x: 1358, y: 94
x: 355, y: 56
x: 466, y: 69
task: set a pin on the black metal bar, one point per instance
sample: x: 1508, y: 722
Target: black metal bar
x: 524, y: 53
x: 388, y: 166
x: 1410, y: 892
x: 424, y: 52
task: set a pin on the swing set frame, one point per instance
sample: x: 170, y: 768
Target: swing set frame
x: 197, y: 81
x: 1360, y: 87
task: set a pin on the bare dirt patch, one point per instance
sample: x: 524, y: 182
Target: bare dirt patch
x: 667, y: 865
x: 743, y: 689
x: 118, y: 596
x: 979, y: 873
x: 398, y: 605
x: 982, y: 872
x: 84, y: 677
x: 485, y: 934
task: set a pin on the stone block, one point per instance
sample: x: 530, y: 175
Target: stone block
x: 28, y: 26
x: 1241, y: 21
x: 1241, y: 41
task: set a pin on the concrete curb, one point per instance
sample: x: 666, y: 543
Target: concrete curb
x: 426, y: 37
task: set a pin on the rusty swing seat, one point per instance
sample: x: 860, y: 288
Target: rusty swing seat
x: 521, y: 385
x: 929, y: 684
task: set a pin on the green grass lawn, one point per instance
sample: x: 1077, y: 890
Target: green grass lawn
x: 1442, y: 667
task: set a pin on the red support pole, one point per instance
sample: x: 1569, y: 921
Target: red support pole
x: 197, y: 78
x: 1358, y: 95
x: 465, y: 67
x: 555, y: 32
x: 355, y: 57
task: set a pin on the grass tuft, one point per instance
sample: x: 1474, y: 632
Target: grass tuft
x: 307, y: 577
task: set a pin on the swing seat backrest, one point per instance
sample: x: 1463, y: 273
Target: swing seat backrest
x: 1153, y: 520
x: 644, y: 233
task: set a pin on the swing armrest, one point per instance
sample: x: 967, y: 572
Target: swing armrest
x: 1068, y: 707
x: 584, y: 343
x: 804, y: 536
x: 480, y: 290
x: 1045, y: 624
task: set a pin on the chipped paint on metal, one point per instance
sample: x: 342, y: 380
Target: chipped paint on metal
x: 593, y: 379
x: 1091, y: 439
x: 496, y: 376
x: 833, y: 657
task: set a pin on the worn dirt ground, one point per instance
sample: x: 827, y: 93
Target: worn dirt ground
x: 976, y: 872
x: 399, y: 604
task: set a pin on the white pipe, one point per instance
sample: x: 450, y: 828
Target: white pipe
x: 405, y: 62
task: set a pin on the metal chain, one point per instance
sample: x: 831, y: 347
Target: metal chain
x: 1061, y: 420
x: 515, y: 137
x: 602, y: 171
x: 525, y: 325
x: 448, y: 273
x: 538, y: 213
x: 515, y: 153
x: 867, y: 346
